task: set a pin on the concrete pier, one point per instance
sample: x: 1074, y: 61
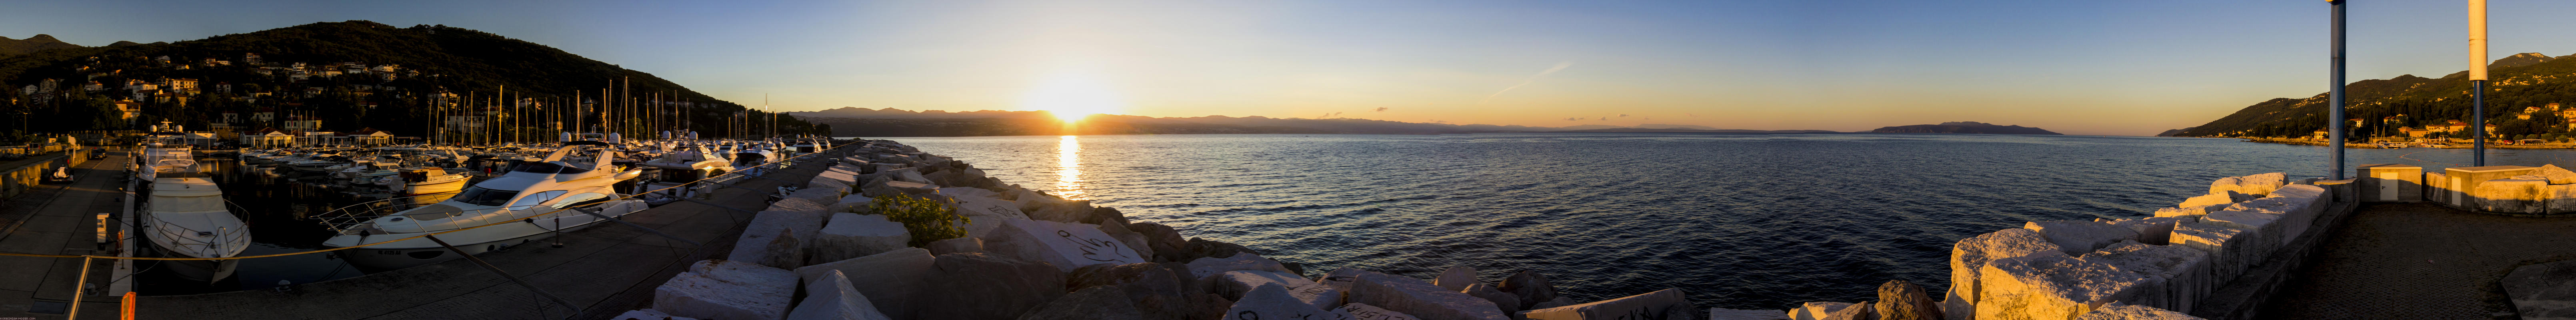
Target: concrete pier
x: 2421, y: 261
x: 605, y: 269
x: 59, y: 219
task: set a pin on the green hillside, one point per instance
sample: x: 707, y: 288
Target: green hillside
x: 431, y: 59
x: 2519, y: 81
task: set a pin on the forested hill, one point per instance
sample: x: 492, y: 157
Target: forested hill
x: 2516, y: 82
x: 427, y: 60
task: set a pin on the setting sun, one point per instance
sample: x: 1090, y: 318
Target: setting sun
x: 1071, y: 96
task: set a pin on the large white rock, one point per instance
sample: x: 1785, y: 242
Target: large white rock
x: 2220, y: 197
x: 969, y: 192
x: 795, y: 204
x: 1363, y: 311
x: 1066, y: 245
x: 1271, y: 301
x: 1644, y: 306
x: 720, y: 289
x: 2555, y: 174
x: 2260, y: 184
x: 2051, y: 287
x: 910, y: 187
x: 777, y: 238
x: 1969, y: 257
x: 890, y: 279
x: 1818, y: 310
x: 2227, y: 257
x: 1421, y: 299
x: 1509, y: 302
x: 2562, y: 199
x: 1455, y: 278
x: 2119, y: 311
x: 1338, y: 278
x: 1205, y: 267
x: 2190, y: 211
x: 851, y: 203
x: 985, y: 214
x: 2181, y: 275
x: 850, y: 235
x: 833, y: 298
x: 1234, y: 284
x: 2075, y: 237
x: 2154, y: 230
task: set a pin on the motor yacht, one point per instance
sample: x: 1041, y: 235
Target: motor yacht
x: 531, y: 202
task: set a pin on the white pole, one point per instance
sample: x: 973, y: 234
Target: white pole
x: 2478, y: 81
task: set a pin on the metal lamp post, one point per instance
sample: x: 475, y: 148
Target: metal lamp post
x: 2334, y: 95
x: 2478, y: 81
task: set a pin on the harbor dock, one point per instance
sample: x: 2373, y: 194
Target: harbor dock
x: 599, y: 271
x: 59, y: 219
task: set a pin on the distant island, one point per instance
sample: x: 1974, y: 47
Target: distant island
x: 1964, y: 127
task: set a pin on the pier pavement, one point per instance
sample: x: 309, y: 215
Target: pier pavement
x: 2421, y: 261
x: 58, y: 219
x: 604, y: 270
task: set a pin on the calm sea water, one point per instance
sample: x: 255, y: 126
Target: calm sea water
x: 1737, y: 220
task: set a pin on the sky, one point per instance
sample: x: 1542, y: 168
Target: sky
x: 2075, y: 67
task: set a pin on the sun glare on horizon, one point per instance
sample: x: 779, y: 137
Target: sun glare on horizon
x: 1071, y: 96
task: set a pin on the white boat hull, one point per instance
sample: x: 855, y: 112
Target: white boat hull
x: 423, y: 251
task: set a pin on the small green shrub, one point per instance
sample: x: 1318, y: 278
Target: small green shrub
x: 927, y: 220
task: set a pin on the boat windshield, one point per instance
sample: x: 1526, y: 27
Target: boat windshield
x: 547, y: 167
x: 478, y: 195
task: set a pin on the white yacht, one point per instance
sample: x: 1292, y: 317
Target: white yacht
x: 184, y: 215
x: 531, y: 202
x: 687, y: 164
x: 418, y: 181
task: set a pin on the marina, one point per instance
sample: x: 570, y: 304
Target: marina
x: 285, y: 222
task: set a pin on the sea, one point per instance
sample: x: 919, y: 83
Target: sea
x: 1744, y: 221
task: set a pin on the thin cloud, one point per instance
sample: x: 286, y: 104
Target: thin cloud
x: 1623, y: 115
x: 1572, y: 119
x: 1560, y: 66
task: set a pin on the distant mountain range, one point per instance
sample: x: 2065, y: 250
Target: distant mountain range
x: 2516, y: 82
x: 849, y: 121
x: 11, y: 47
x: 1964, y: 127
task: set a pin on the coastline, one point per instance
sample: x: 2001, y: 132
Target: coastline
x: 2459, y: 144
x: 1030, y: 255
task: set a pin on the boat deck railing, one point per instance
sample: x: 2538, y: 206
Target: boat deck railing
x: 365, y: 218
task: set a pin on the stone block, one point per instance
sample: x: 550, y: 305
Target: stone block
x: 984, y: 214
x: 1818, y: 310
x: 794, y: 204
x: 1507, y: 301
x: 1363, y: 311
x: 2220, y: 197
x: 2227, y: 258
x: 953, y: 245
x: 1134, y: 241
x: 2260, y: 184
x: 1420, y: 299
x: 969, y: 192
x: 720, y: 289
x: 833, y: 298
x: 2437, y: 188
x: 2119, y: 311
x: 851, y: 203
x: 1065, y: 245
x: 1900, y: 300
x: 1455, y: 278
x: 777, y: 238
x: 2562, y: 199
x: 1529, y: 287
x: 980, y: 286
x: 2075, y: 237
x: 2555, y: 174
x: 1272, y: 301
x: 1100, y: 302
x: 2051, y: 287
x: 892, y: 278
x: 1858, y: 311
x: 2154, y: 230
x: 850, y: 235
x: 1969, y: 257
x: 2181, y: 275
x: 1643, y: 306
x: 1233, y: 285
x: 1206, y: 267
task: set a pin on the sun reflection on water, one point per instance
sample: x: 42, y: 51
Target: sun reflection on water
x: 1068, y: 169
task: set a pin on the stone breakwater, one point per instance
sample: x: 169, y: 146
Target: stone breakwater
x: 813, y: 254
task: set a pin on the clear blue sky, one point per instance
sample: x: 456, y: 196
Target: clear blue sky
x: 2079, y: 67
